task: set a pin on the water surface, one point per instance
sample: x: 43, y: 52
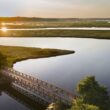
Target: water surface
x: 7, y: 102
x: 91, y: 58
x: 67, y: 28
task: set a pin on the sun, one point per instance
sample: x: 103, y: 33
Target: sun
x: 4, y: 29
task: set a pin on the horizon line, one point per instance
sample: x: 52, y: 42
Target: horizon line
x: 55, y: 17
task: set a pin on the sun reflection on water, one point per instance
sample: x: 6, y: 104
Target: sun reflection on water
x: 4, y: 29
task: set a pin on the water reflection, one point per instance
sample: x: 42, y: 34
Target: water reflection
x: 11, y: 99
x: 8, y: 103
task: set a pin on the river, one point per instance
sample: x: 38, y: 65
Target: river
x: 91, y: 57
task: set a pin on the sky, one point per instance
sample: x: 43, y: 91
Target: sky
x: 56, y: 8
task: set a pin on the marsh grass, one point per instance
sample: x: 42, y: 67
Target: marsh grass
x: 99, y: 34
x: 14, y: 54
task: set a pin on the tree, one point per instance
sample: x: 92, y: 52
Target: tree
x: 92, y: 93
x: 3, y: 61
x: 78, y: 104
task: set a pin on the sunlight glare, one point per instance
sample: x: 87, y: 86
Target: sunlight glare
x: 4, y: 29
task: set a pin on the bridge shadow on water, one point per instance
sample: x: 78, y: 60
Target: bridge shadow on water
x: 26, y: 101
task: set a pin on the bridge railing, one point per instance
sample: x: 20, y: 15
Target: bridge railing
x: 36, y: 84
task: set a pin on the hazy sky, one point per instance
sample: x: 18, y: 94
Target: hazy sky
x: 55, y: 8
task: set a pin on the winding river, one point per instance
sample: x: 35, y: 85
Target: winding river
x: 91, y: 58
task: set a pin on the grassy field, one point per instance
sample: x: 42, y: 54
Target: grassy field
x: 100, y: 34
x: 14, y: 54
x: 53, y: 23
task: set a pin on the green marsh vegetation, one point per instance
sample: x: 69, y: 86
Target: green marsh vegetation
x: 99, y: 34
x: 13, y: 54
x: 23, y: 23
x: 3, y: 80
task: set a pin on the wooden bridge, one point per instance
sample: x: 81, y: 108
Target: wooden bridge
x: 37, y: 89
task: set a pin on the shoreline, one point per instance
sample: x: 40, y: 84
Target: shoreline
x: 14, y: 54
x: 23, y: 59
